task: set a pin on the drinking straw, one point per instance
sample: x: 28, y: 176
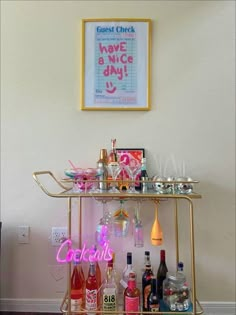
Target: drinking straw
x: 72, y: 165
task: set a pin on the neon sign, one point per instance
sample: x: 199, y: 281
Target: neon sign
x: 84, y: 254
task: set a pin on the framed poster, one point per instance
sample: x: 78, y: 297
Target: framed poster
x: 115, y: 64
x: 132, y: 157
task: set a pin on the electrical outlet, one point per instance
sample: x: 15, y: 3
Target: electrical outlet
x: 58, y: 235
x: 23, y: 234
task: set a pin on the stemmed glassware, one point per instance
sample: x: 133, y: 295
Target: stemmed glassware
x: 138, y: 227
x: 114, y: 170
x: 121, y: 221
x: 133, y: 171
x: 104, y: 227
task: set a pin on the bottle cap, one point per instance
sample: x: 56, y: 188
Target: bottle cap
x: 103, y: 155
x: 147, y: 253
x: 129, y: 258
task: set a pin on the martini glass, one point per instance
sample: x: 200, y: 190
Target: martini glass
x: 133, y: 171
x: 114, y: 170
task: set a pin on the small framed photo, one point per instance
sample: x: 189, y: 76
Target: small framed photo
x: 131, y: 157
x: 115, y: 64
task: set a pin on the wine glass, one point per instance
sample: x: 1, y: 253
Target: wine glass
x: 121, y: 221
x: 104, y: 227
x: 138, y: 227
x: 114, y: 170
x: 133, y: 170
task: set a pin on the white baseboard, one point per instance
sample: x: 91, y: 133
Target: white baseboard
x: 30, y: 305
x: 53, y: 306
x: 219, y: 308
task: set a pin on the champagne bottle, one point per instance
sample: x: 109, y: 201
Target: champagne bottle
x: 109, y: 292
x: 91, y: 295
x: 153, y: 300
x: 146, y: 280
x: 161, y: 273
x: 131, y: 296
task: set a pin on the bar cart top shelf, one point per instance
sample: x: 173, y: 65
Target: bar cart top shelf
x: 67, y: 191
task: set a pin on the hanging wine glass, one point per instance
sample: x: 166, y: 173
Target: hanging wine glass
x: 138, y: 227
x: 104, y: 227
x: 114, y: 170
x: 156, y: 232
x: 121, y: 221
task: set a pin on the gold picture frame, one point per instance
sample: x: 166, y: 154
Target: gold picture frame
x: 115, y: 64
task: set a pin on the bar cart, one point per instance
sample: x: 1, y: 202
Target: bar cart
x: 68, y: 193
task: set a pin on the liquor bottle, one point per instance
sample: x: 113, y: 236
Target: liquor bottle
x: 153, y: 300
x: 102, y: 170
x: 91, y: 294
x: 161, y: 274
x: 128, y: 269
x: 112, y: 158
x: 131, y: 296
x: 144, y: 175
x: 77, y: 288
x: 146, y: 280
x: 144, y: 168
x: 109, y: 292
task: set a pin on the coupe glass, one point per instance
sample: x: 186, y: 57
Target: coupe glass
x: 114, y: 170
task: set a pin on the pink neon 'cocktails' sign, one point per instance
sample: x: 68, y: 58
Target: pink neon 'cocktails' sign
x: 67, y: 254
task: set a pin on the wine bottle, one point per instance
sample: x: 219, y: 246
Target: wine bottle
x: 161, y: 273
x: 146, y: 280
x: 77, y: 288
x: 128, y: 269
x: 153, y: 300
x: 109, y: 291
x: 91, y: 294
x: 131, y: 296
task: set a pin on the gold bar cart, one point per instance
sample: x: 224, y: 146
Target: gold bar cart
x: 68, y: 193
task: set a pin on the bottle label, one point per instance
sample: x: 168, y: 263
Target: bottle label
x: 154, y: 308
x: 146, y: 292
x: 76, y: 305
x: 91, y: 299
x: 109, y: 300
x: 131, y: 304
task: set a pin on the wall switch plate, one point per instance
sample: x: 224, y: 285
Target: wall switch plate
x: 59, y: 234
x: 23, y: 234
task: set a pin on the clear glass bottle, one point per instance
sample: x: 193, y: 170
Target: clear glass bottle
x: 146, y: 280
x: 127, y: 270
x: 109, y: 292
x: 176, y: 293
x: 131, y: 296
